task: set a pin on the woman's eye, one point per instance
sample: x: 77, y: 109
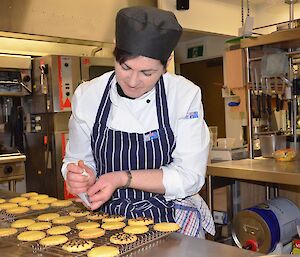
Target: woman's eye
x: 147, y: 74
x: 125, y: 67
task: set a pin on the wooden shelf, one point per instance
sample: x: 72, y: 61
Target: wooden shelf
x: 284, y: 39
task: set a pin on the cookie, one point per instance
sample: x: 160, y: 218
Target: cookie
x: 113, y: 225
x: 63, y: 220
x: 47, y: 216
x: 39, y: 197
x: 17, y: 210
x: 91, y: 233
x: 58, y: 230
x: 17, y: 199
x: 22, y: 223
x: 86, y: 225
x: 104, y: 251
x: 61, y: 203
x: 122, y: 238
x: 31, y: 235
x: 166, y: 227
x: 48, y: 200
x: 79, y: 213
x: 7, y: 231
x: 39, y: 226
x: 29, y: 194
x: 2, y: 200
x: 77, y: 245
x: 28, y: 203
x: 140, y: 221
x: 136, y: 229
x: 6, y: 206
x: 97, y: 215
x: 113, y: 218
x: 53, y: 240
x: 39, y: 206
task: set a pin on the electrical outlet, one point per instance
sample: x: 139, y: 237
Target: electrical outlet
x: 220, y: 217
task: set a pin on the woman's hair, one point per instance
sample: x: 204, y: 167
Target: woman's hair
x: 122, y: 56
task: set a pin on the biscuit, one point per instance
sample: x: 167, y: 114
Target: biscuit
x: 58, y: 230
x: 6, y: 206
x: 166, y: 227
x: 2, y: 200
x: 122, y: 238
x: 91, y: 233
x: 86, y: 225
x: 77, y: 245
x: 17, y: 210
x: 28, y: 203
x: 113, y: 218
x: 97, y: 215
x: 113, y: 225
x: 31, y: 235
x: 39, y: 226
x: 22, y: 223
x: 17, y: 199
x: 7, y: 231
x: 104, y: 251
x: 136, y: 229
x: 140, y: 221
x: 48, y: 216
x: 29, y: 194
x: 39, y: 197
x: 79, y: 213
x: 39, y: 206
x: 61, y: 203
x: 53, y: 240
x: 63, y: 220
x: 48, y: 200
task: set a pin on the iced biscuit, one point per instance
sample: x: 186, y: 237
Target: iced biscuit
x: 79, y: 213
x: 22, y: 223
x: 17, y: 199
x: 48, y: 216
x: 7, y: 231
x: 6, y: 206
x: 31, y: 235
x: 29, y: 194
x: 28, y: 203
x: 97, y: 215
x: 17, y: 210
x: 122, y: 238
x: 61, y: 203
x: 86, y: 225
x: 39, y: 226
x: 140, y: 221
x: 39, y: 197
x: 53, y: 240
x: 48, y: 200
x: 104, y: 251
x: 58, y: 230
x: 63, y: 220
x: 2, y: 200
x: 91, y: 233
x: 136, y: 229
x: 113, y: 218
x: 77, y: 245
x: 113, y: 225
x: 166, y: 227
x: 39, y: 206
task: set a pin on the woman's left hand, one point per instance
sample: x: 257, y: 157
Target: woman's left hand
x: 103, y: 189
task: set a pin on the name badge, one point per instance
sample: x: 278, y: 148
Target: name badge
x: 151, y: 136
x: 192, y: 115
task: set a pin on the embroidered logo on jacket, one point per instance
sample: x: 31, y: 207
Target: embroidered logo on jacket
x: 151, y: 136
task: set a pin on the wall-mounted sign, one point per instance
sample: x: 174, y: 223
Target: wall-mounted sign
x: 195, y: 51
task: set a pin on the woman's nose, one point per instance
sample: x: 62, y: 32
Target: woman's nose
x: 133, y: 79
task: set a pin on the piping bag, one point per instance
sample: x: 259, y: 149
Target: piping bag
x: 84, y: 196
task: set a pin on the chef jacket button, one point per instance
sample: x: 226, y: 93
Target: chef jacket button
x: 148, y: 101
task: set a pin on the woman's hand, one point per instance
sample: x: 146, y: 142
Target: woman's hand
x: 76, y: 181
x: 104, y: 188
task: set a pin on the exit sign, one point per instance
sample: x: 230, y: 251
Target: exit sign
x: 194, y: 52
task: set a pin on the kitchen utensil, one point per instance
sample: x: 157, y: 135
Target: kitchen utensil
x: 84, y: 196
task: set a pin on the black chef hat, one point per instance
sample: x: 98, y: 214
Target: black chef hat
x: 147, y: 31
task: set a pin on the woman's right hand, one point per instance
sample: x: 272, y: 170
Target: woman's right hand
x: 76, y: 181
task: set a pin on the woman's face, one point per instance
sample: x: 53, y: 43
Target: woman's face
x: 139, y: 75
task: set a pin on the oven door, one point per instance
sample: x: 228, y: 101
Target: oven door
x: 92, y: 67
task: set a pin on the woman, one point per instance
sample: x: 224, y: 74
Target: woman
x: 139, y: 132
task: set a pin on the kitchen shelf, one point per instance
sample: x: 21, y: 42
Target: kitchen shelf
x: 283, y: 39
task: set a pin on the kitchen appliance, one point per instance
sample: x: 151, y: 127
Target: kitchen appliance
x: 48, y: 110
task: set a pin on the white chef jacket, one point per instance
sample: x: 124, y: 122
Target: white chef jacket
x: 185, y: 175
